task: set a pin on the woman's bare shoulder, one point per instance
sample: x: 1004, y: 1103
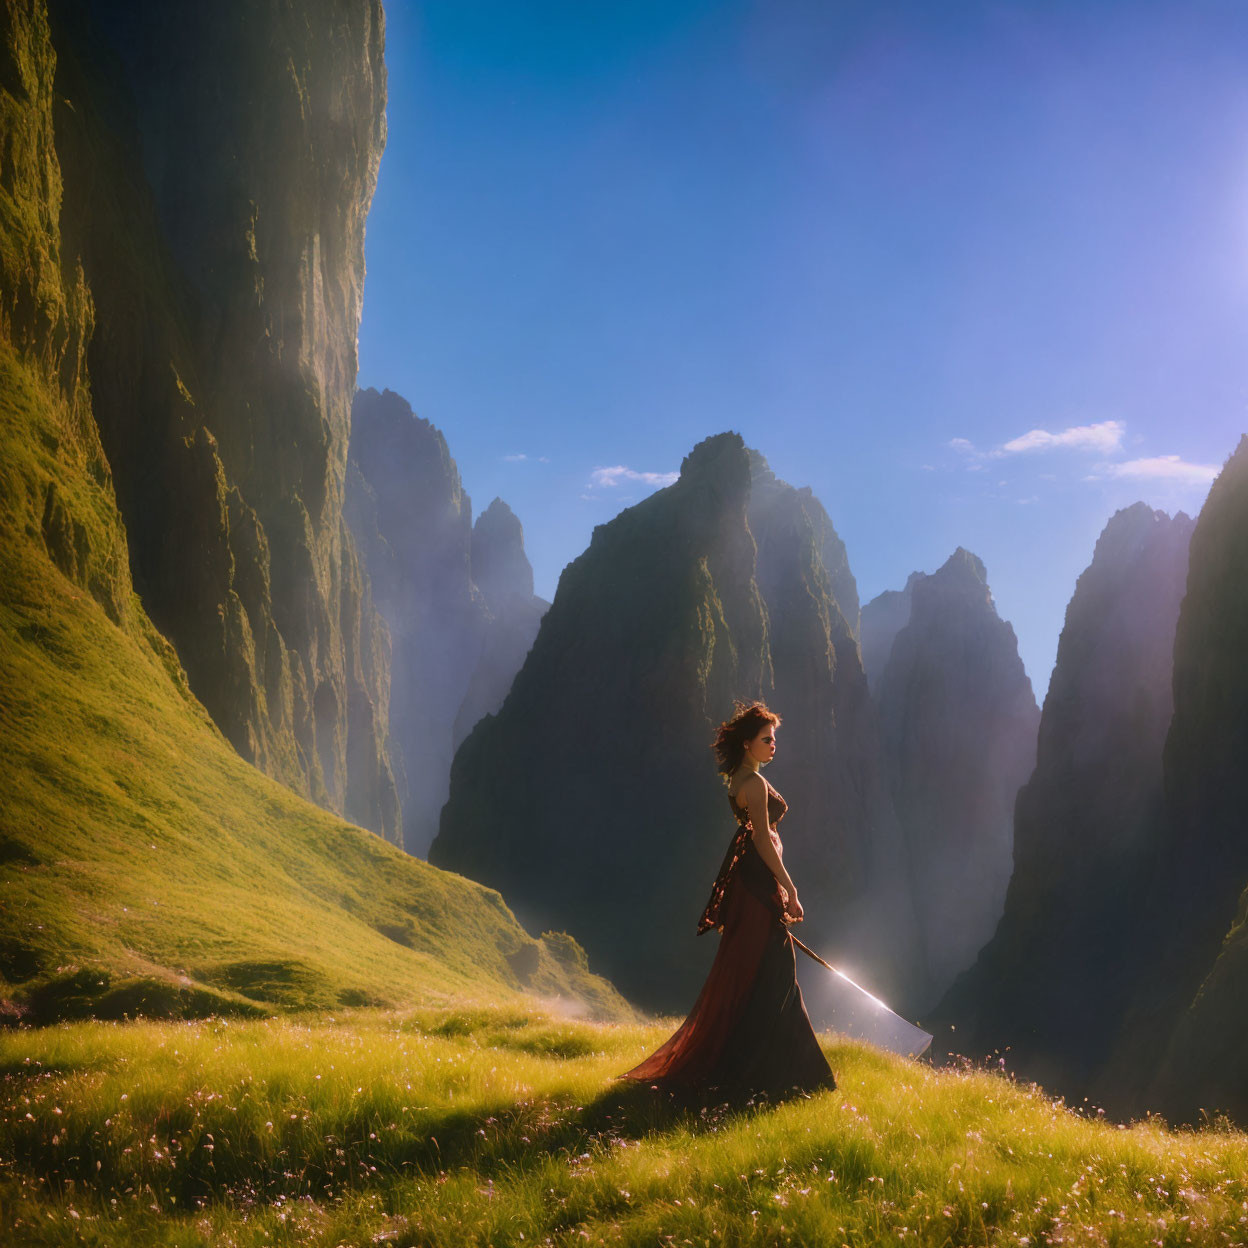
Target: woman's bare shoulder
x: 747, y: 787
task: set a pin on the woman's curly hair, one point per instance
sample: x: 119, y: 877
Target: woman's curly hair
x: 748, y: 720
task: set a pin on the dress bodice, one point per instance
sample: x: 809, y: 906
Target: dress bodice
x: 742, y: 848
x: 776, y: 806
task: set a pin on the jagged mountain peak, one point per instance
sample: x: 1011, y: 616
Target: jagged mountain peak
x: 500, y: 567
x: 713, y: 454
x: 384, y: 424
x: 377, y: 404
x: 959, y: 584
x: 498, y: 507
x: 1131, y: 528
x: 714, y: 482
x: 964, y: 564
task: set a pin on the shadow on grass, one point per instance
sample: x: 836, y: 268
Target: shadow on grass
x: 505, y: 1139
x: 240, y: 1165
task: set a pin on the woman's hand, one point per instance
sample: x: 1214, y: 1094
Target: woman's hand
x: 793, y: 907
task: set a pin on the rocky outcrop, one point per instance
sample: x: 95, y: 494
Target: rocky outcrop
x: 958, y: 723
x: 219, y: 164
x: 458, y: 600
x: 590, y: 798
x: 1050, y: 986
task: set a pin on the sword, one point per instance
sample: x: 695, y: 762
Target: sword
x: 875, y: 1022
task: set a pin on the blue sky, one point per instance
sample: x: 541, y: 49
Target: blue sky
x: 976, y: 273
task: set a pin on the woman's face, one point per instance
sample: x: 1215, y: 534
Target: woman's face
x: 762, y: 749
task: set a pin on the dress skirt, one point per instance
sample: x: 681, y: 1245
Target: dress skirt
x: 748, y: 1031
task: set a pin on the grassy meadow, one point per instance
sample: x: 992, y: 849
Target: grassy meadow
x: 502, y: 1124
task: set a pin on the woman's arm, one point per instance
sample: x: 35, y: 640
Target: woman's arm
x: 754, y: 790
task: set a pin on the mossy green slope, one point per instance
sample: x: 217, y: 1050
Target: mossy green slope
x: 504, y: 1126
x: 135, y: 843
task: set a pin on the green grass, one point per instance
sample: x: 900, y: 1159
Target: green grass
x: 144, y: 867
x: 502, y: 1124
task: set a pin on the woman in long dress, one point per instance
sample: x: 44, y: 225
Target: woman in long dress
x: 748, y: 1031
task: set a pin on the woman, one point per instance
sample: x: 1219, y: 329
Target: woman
x: 748, y: 1031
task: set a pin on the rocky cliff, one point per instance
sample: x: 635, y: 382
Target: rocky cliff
x: 458, y: 599
x: 1180, y: 1045
x: 591, y: 796
x: 218, y: 166
x: 1050, y: 986
x: 958, y: 723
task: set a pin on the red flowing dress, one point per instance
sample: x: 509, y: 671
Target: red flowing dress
x: 748, y: 1031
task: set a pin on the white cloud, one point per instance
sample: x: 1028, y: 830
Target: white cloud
x: 514, y: 459
x: 521, y: 456
x: 1104, y: 438
x: 1163, y: 468
x: 611, y: 477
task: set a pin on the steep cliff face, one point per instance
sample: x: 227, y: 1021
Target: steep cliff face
x: 1051, y: 983
x: 590, y: 797
x: 458, y: 600
x: 958, y: 726
x: 55, y: 489
x: 1178, y: 1048
x: 219, y: 163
